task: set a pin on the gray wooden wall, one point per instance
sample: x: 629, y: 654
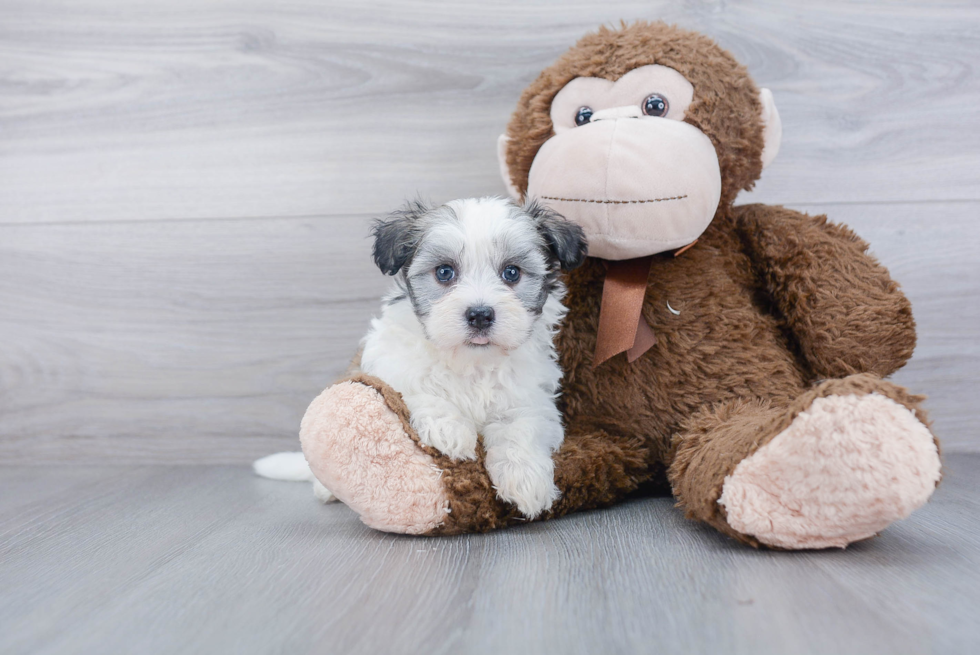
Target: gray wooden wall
x: 185, y: 189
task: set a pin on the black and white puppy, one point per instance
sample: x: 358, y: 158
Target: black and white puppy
x: 467, y: 335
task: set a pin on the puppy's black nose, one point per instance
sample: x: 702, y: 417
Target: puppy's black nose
x: 480, y: 317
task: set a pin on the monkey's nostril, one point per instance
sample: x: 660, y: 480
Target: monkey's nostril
x: 480, y: 317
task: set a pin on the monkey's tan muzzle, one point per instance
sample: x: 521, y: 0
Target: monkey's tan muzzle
x: 637, y: 185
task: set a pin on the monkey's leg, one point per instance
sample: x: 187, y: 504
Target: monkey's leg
x: 360, y: 444
x: 356, y: 439
x: 841, y: 463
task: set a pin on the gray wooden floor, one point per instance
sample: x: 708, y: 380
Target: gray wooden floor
x: 212, y: 560
x: 185, y: 191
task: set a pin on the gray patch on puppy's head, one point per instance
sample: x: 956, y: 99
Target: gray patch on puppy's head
x: 565, y: 241
x: 438, y: 242
x: 397, y: 236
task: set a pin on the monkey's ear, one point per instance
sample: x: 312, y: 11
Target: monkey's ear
x: 397, y: 236
x: 504, y: 170
x: 772, y: 127
x: 565, y: 240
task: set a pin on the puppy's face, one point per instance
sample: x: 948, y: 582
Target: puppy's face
x: 478, y: 272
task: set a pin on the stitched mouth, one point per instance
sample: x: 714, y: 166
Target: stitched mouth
x: 615, y: 202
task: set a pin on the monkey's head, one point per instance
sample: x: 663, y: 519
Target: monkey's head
x: 640, y: 135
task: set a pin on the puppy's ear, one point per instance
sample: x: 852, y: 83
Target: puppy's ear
x: 397, y: 236
x: 565, y: 240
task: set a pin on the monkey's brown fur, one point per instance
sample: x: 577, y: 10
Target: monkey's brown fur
x: 725, y: 96
x: 776, y: 308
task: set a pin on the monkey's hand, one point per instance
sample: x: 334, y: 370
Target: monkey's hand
x: 847, y: 314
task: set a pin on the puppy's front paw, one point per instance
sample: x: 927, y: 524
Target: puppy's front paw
x: 451, y: 436
x: 528, y: 484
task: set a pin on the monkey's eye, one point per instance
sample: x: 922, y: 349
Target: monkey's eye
x: 655, y: 105
x: 511, y: 274
x: 583, y: 116
x: 445, y: 273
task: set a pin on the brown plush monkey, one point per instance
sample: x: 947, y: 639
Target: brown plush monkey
x: 747, y: 370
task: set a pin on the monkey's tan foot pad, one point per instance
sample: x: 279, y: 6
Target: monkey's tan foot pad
x: 358, y: 448
x: 842, y: 471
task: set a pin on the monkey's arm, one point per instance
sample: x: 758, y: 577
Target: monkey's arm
x: 847, y: 314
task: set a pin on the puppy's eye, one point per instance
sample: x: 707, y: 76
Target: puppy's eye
x: 655, y: 105
x: 445, y: 273
x: 511, y: 274
x: 583, y: 116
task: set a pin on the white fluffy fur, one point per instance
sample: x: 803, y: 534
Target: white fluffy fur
x: 455, y: 387
x: 504, y: 391
x: 291, y: 467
